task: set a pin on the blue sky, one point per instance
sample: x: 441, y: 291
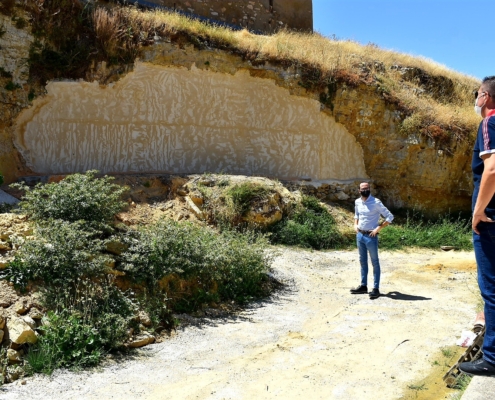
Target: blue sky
x: 459, y: 34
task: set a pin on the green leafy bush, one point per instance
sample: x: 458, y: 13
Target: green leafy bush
x: 77, y: 197
x: 61, y: 254
x: 308, y: 225
x: 416, y: 232
x: 213, y: 267
x: 66, y: 341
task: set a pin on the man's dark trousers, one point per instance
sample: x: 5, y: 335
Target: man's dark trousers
x: 484, y: 250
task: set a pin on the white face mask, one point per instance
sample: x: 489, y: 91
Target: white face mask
x: 477, y: 109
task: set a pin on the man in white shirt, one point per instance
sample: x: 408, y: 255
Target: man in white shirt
x: 367, y: 213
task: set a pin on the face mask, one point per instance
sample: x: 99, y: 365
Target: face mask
x: 365, y: 193
x: 477, y: 109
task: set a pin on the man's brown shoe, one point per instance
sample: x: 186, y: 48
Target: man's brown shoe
x: 360, y: 290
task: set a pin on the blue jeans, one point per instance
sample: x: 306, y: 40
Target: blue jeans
x: 484, y: 250
x: 365, y: 244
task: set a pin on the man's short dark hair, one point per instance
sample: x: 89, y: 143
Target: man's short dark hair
x: 489, y: 84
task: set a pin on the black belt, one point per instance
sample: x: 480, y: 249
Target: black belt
x: 364, y: 232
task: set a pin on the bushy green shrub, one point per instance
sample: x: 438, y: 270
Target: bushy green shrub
x: 416, y: 232
x: 77, y: 197
x: 61, y: 254
x: 308, y: 225
x: 226, y: 266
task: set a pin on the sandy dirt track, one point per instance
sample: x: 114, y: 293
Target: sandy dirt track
x: 312, y: 340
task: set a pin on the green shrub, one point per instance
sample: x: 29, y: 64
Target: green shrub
x: 241, y: 196
x: 61, y: 254
x: 308, y: 225
x: 229, y: 207
x: 429, y: 234
x: 66, y: 341
x: 77, y: 197
x: 203, y: 265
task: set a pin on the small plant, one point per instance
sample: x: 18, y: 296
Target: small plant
x: 418, y: 387
x: 67, y: 341
x: 447, y: 352
x: 31, y: 94
x: 3, y: 72
x: 12, y: 86
x: 77, y: 197
x: 20, y: 23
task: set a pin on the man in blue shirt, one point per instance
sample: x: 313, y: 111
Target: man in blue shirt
x: 367, y: 213
x: 483, y: 225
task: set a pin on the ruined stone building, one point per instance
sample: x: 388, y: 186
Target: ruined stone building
x: 266, y: 16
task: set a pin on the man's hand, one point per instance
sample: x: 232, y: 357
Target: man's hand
x: 356, y: 229
x: 477, y: 218
x: 375, y: 231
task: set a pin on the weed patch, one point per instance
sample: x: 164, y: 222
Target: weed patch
x: 428, y: 234
x: 308, y: 225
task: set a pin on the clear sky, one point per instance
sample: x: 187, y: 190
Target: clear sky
x: 459, y: 34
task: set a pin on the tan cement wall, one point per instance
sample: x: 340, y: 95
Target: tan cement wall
x: 263, y: 15
x: 175, y: 120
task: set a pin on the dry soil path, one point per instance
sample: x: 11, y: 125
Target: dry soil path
x: 312, y: 340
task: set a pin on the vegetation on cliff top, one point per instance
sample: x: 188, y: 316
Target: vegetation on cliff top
x: 437, y: 101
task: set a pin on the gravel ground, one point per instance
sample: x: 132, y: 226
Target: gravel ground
x: 310, y: 340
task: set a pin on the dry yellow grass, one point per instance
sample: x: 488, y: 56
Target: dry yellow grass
x: 453, y: 113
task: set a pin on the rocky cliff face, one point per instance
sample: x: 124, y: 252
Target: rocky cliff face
x: 184, y: 110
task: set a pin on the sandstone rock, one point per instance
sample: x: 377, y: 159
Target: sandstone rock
x: 34, y: 313
x: 341, y: 196
x: 2, y: 334
x: 20, y: 332
x: 142, y: 340
x: 2, y: 321
x: 28, y: 320
x: 13, y: 356
x: 144, y: 318
x: 22, y: 306
x: 192, y: 206
x: 8, y: 296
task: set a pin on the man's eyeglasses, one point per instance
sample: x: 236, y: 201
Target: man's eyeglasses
x: 481, y: 94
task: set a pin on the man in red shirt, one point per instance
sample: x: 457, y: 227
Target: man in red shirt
x: 483, y: 166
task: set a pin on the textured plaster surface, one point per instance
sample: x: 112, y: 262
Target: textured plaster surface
x: 176, y: 120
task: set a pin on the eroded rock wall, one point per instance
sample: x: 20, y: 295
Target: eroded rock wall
x: 179, y: 120
x: 14, y: 93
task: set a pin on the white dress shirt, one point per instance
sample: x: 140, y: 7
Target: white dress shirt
x: 368, y: 213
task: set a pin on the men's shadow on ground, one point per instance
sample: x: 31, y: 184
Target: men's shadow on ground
x: 403, y: 296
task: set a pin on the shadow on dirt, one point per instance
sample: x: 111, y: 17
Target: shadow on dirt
x: 403, y: 296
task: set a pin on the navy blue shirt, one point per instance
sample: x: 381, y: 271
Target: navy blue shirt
x: 485, y: 144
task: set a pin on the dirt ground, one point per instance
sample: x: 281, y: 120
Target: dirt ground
x: 311, y: 340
